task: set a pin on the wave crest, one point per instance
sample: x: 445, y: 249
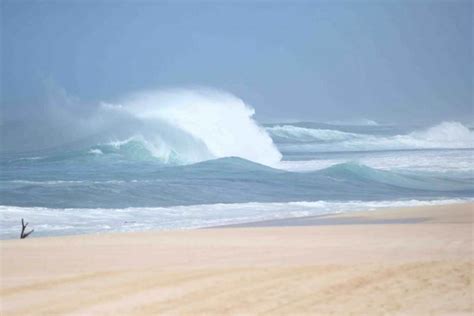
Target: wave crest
x: 447, y: 135
x: 290, y: 133
x: 194, y: 126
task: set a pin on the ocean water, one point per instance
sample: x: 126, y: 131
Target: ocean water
x: 187, y: 160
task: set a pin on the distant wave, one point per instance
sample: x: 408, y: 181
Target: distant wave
x: 354, y: 122
x: 296, y: 134
x: 95, y: 151
x: 459, y: 162
x: 443, y: 135
x: 411, y: 180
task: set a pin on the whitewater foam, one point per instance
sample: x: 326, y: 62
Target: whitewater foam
x: 301, y: 134
x: 453, y: 133
x: 51, y: 221
x: 354, y: 122
x: 445, y: 135
x: 95, y: 151
x: 198, y: 125
x: 439, y: 161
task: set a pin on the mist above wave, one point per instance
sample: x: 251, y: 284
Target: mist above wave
x: 200, y: 125
x: 177, y: 126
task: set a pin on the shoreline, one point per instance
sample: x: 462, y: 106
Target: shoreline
x: 338, y: 217
x: 382, y: 215
x: 330, y: 269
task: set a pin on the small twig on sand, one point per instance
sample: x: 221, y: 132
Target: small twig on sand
x: 23, y: 227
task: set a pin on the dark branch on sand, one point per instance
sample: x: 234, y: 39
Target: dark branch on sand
x: 23, y: 227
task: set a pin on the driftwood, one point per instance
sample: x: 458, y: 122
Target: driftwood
x: 23, y: 227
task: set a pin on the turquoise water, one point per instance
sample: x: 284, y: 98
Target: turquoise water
x: 184, y: 175
x: 108, y: 181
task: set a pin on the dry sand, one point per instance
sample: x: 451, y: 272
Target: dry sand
x: 374, y: 266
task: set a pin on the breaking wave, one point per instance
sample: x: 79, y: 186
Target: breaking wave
x: 175, y: 126
x: 445, y: 135
x: 296, y: 134
x: 354, y: 122
x: 189, y: 126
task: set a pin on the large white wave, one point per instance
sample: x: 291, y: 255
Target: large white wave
x: 175, y: 126
x: 444, y: 135
x: 197, y: 125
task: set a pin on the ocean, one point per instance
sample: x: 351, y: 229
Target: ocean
x: 199, y: 160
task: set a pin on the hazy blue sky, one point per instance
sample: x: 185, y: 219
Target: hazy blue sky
x: 384, y: 60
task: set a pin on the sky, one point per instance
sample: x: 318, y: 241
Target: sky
x: 389, y: 61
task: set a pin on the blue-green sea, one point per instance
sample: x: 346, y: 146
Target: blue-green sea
x: 189, y: 167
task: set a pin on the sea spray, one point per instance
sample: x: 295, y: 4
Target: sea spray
x: 174, y: 126
x: 219, y: 121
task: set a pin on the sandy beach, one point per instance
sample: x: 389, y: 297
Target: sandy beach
x: 412, y: 261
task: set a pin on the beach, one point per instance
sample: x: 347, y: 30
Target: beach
x: 236, y: 158
x: 405, y: 261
